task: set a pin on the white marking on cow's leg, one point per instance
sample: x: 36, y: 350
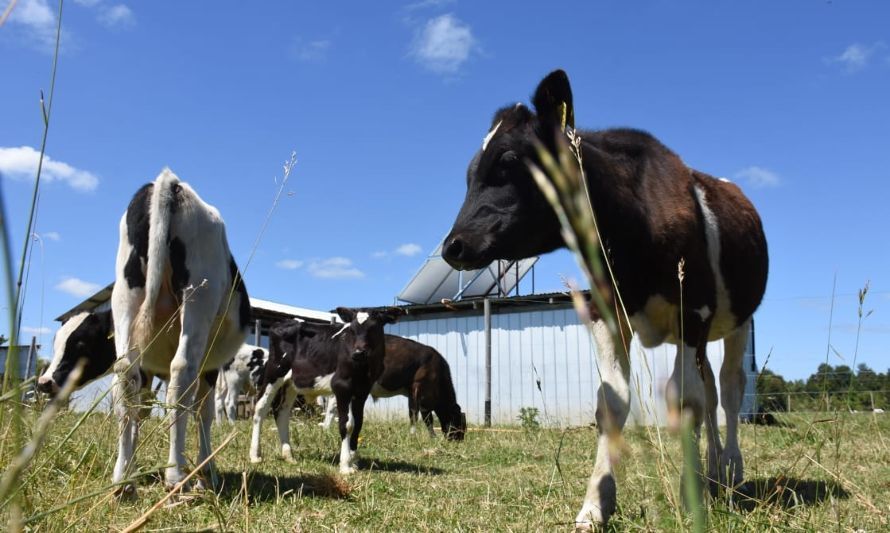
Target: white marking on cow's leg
x: 613, y: 405
x: 490, y: 136
x: 261, y: 411
x: 428, y: 421
x: 282, y: 420
x: 685, y: 395
x: 412, y: 415
x: 330, y: 407
x: 346, y: 454
x: 122, y: 394
x: 732, y: 389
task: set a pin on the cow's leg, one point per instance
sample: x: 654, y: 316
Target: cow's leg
x: 282, y: 420
x: 428, y: 420
x: 686, y: 396
x: 232, y: 392
x: 125, y: 384
x: 220, y: 395
x: 613, y: 405
x: 205, y: 414
x: 412, y: 414
x: 329, y: 409
x: 357, y: 414
x: 732, y: 390
x: 346, y: 423
x: 261, y: 411
x: 197, y: 317
x: 712, y: 429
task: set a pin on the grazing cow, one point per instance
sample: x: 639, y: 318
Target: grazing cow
x: 652, y: 211
x: 85, y: 336
x: 321, y: 359
x: 421, y: 373
x: 246, y: 367
x: 179, y: 309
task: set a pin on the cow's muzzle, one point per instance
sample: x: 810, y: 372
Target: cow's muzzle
x: 47, y: 386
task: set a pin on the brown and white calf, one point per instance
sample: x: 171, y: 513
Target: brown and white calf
x: 180, y: 309
x: 652, y: 211
x: 322, y: 359
x: 420, y: 373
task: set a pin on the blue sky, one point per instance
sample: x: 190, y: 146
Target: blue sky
x: 385, y: 103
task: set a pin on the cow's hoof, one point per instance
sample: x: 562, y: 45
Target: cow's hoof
x: 254, y: 460
x: 286, y: 453
x: 126, y: 492
x: 346, y: 470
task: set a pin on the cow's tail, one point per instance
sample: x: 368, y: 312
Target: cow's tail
x: 160, y: 207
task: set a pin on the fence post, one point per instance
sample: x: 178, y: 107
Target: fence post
x: 871, y: 394
x: 256, y: 332
x: 789, y: 402
x: 486, y: 306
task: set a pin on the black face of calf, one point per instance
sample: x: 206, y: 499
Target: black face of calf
x: 364, y: 331
x: 504, y: 214
x: 454, y: 425
x: 86, y: 336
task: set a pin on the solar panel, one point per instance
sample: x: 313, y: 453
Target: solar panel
x: 436, y: 280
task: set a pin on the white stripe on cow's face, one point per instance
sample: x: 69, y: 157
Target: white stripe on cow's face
x: 61, y: 339
x: 490, y: 135
x: 361, y: 316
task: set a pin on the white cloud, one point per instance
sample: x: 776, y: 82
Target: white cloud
x: 87, y: 3
x: 334, y: 268
x: 409, y: 249
x: 51, y: 236
x: 444, y: 44
x: 856, y: 56
x: 38, y: 20
x: 21, y: 163
x: 311, y: 51
x: 117, y: 16
x: 380, y: 254
x: 77, y: 287
x: 289, y: 264
x: 36, y: 331
x: 758, y: 177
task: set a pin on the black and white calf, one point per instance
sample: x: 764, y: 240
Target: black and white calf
x: 247, y: 367
x: 322, y: 359
x: 179, y: 309
x: 652, y: 211
x: 420, y: 373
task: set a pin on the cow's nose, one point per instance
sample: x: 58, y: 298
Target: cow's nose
x: 455, y: 249
x: 46, y: 385
x: 359, y: 355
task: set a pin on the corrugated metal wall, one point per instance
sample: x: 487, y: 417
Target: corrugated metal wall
x: 541, y: 357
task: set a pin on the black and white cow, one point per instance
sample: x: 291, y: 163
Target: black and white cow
x: 652, y: 211
x: 179, y: 309
x: 247, y: 367
x: 322, y: 359
x: 85, y: 336
x: 420, y: 373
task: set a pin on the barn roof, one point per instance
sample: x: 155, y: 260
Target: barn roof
x: 265, y: 310
x: 474, y: 305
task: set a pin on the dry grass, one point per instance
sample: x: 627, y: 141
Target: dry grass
x: 824, y: 472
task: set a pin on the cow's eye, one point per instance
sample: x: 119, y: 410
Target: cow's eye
x: 509, y: 158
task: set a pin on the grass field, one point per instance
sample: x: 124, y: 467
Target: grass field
x: 825, y: 472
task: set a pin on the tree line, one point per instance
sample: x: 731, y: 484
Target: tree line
x: 829, y: 388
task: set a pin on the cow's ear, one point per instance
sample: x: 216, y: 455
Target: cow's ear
x: 553, y: 103
x: 346, y: 314
x: 391, y: 314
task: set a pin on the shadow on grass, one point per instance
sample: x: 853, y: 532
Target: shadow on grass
x: 787, y: 492
x: 265, y: 488
x: 382, y: 465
